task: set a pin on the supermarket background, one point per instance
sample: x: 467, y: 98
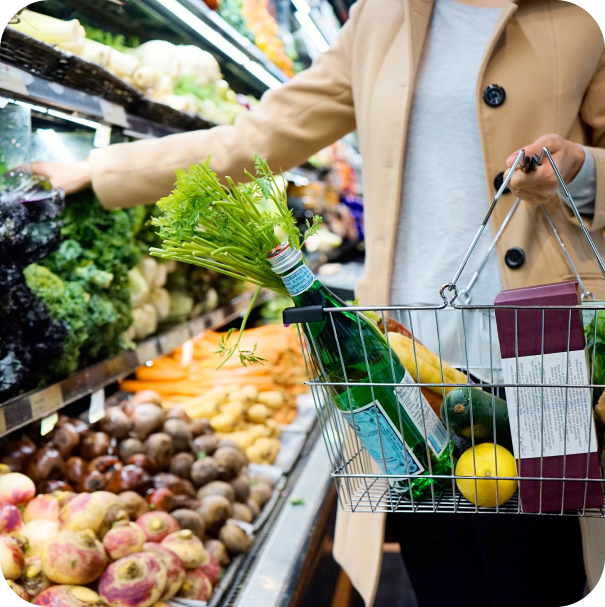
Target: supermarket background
x: 118, y: 321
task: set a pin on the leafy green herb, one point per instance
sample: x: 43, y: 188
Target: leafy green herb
x: 227, y: 229
x: 595, y: 346
x: 297, y: 501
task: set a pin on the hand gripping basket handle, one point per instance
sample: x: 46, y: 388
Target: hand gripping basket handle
x: 526, y: 164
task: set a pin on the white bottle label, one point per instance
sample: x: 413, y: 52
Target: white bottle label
x: 298, y: 281
x: 382, y: 440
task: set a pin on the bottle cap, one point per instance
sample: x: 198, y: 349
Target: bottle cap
x: 283, y: 257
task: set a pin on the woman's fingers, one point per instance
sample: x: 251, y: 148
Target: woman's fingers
x: 69, y: 176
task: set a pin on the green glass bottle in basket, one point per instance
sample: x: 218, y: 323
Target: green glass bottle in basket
x: 346, y: 347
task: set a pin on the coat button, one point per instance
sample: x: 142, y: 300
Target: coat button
x: 514, y: 258
x: 494, y: 95
x: 498, y: 181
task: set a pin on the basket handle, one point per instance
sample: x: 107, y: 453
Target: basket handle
x: 527, y: 164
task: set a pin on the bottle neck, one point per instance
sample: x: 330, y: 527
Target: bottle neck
x: 294, y: 272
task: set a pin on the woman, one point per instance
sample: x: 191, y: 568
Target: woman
x: 442, y: 94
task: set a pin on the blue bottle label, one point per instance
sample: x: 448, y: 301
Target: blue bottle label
x: 382, y: 440
x: 299, y: 281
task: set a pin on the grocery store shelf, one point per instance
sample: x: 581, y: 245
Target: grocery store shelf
x: 38, y: 404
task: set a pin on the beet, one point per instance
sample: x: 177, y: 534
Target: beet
x: 45, y: 464
x: 94, y: 445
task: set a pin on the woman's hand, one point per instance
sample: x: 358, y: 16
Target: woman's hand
x: 540, y: 186
x: 69, y: 176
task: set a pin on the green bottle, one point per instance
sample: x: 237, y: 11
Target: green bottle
x: 402, y: 414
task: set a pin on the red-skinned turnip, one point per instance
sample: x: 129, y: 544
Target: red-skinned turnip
x: 12, y: 559
x: 196, y: 587
x: 157, y: 525
x: 212, y: 570
x: 42, y: 507
x: 16, y: 489
x: 123, y: 539
x: 34, y: 580
x: 37, y: 534
x: 69, y: 596
x: 187, y: 547
x: 10, y: 519
x: 137, y: 580
x: 161, y: 499
x: 73, y: 557
x: 175, y: 571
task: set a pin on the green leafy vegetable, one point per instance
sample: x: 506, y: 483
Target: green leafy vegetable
x: 595, y: 346
x: 226, y: 229
x: 115, y: 41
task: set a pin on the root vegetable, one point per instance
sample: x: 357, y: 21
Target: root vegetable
x: 175, y: 571
x: 187, y: 519
x: 271, y: 398
x: 161, y: 499
x: 42, y: 507
x: 257, y: 414
x: 215, y: 510
x: 207, y: 444
x: 146, y: 419
x: 52, y: 486
x: 217, y: 488
x: 16, y: 489
x: 18, y: 590
x: 230, y: 462
x: 253, y: 506
x: 241, y: 487
x: 176, y: 484
x: 123, y: 540
x: 178, y: 413
x: 115, y: 515
x: 34, y: 580
x: 18, y: 452
x: 196, y: 587
x: 12, y: 559
x: 187, y: 547
x: 212, y: 570
x: 180, y: 434
x: 217, y: 549
x: 204, y: 471
x: 236, y: 540
x: 159, y: 448
x: 184, y: 501
x: 143, y: 397
x: 180, y: 465
x: 73, y: 557
x: 143, y: 461
x: 10, y: 519
x: 263, y: 478
x: 94, y: 445
x: 260, y: 493
x: 129, y: 478
x: 105, y: 464
x: 116, y: 423
x: 134, y: 504
x: 200, y: 426
x: 129, y: 447
x: 137, y: 580
x: 37, y: 534
x: 85, y: 511
x: 157, y: 525
x: 93, y: 481
x: 65, y: 438
x: 241, y: 512
x: 75, y: 470
x: 69, y: 596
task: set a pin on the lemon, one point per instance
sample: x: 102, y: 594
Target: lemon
x: 484, y: 463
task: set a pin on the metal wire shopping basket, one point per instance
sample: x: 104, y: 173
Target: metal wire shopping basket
x: 550, y: 391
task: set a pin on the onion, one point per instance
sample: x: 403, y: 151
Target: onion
x: 196, y: 587
x: 175, y: 571
x: 10, y: 518
x: 16, y: 489
x: 69, y: 596
x: 137, y: 580
x: 42, y: 507
x: 37, y: 534
x: 123, y: 540
x: 157, y: 525
x: 188, y: 547
x: 73, y: 557
x: 12, y: 559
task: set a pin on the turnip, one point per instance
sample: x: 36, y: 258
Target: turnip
x: 10, y: 519
x: 196, y: 587
x: 217, y: 549
x: 34, y: 580
x: 134, y: 504
x: 137, y: 580
x: 69, y: 596
x: 187, y: 547
x: 123, y: 540
x: 16, y: 489
x: 85, y: 511
x: 157, y: 525
x: 175, y: 571
x: 12, y: 559
x: 212, y: 570
x: 37, y: 534
x: 161, y: 499
x: 73, y: 557
x: 42, y: 507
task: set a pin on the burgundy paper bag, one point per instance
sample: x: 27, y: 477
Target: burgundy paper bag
x: 520, y: 334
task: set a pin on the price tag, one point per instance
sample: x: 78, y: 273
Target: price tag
x: 147, y: 351
x: 48, y: 423
x: 174, y: 339
x: 187, y: 353
x: 46, y: 400
x: 11, y: 79
x: 97, y: 406
x: 114, y: 113
x: 2, y: 422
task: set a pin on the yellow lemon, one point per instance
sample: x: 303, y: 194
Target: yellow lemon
x: 484, y: 463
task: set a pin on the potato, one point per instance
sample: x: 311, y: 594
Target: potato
x: 258, y: 413
x: 274, y: 428
x: 243, y: 439
x: 236, y: 407
x: 269, y: 448
x: 272, y: 398
x: 255, y: 455
x: 249, y: 393
x: 223, y: 422
x: 260, y: 431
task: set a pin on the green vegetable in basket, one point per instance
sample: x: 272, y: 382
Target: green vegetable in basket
x: 595, y: 347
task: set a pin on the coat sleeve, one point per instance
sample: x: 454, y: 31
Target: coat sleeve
x: 311, y: 111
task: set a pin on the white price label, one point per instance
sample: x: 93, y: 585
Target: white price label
x: 97, y: 406
x: 48, y: 423
x: 187, y: 353
x: 114, y: 113
x: 11, y: 79
x: 46, y: 400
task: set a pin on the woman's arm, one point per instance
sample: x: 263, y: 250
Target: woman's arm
x: 306, y: 114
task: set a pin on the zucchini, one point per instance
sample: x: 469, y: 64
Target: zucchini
x: 456, y: 411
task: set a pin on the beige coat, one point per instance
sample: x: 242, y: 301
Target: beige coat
x: 548, y: 56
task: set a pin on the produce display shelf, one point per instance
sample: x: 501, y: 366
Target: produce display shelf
x: 39, y: 404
